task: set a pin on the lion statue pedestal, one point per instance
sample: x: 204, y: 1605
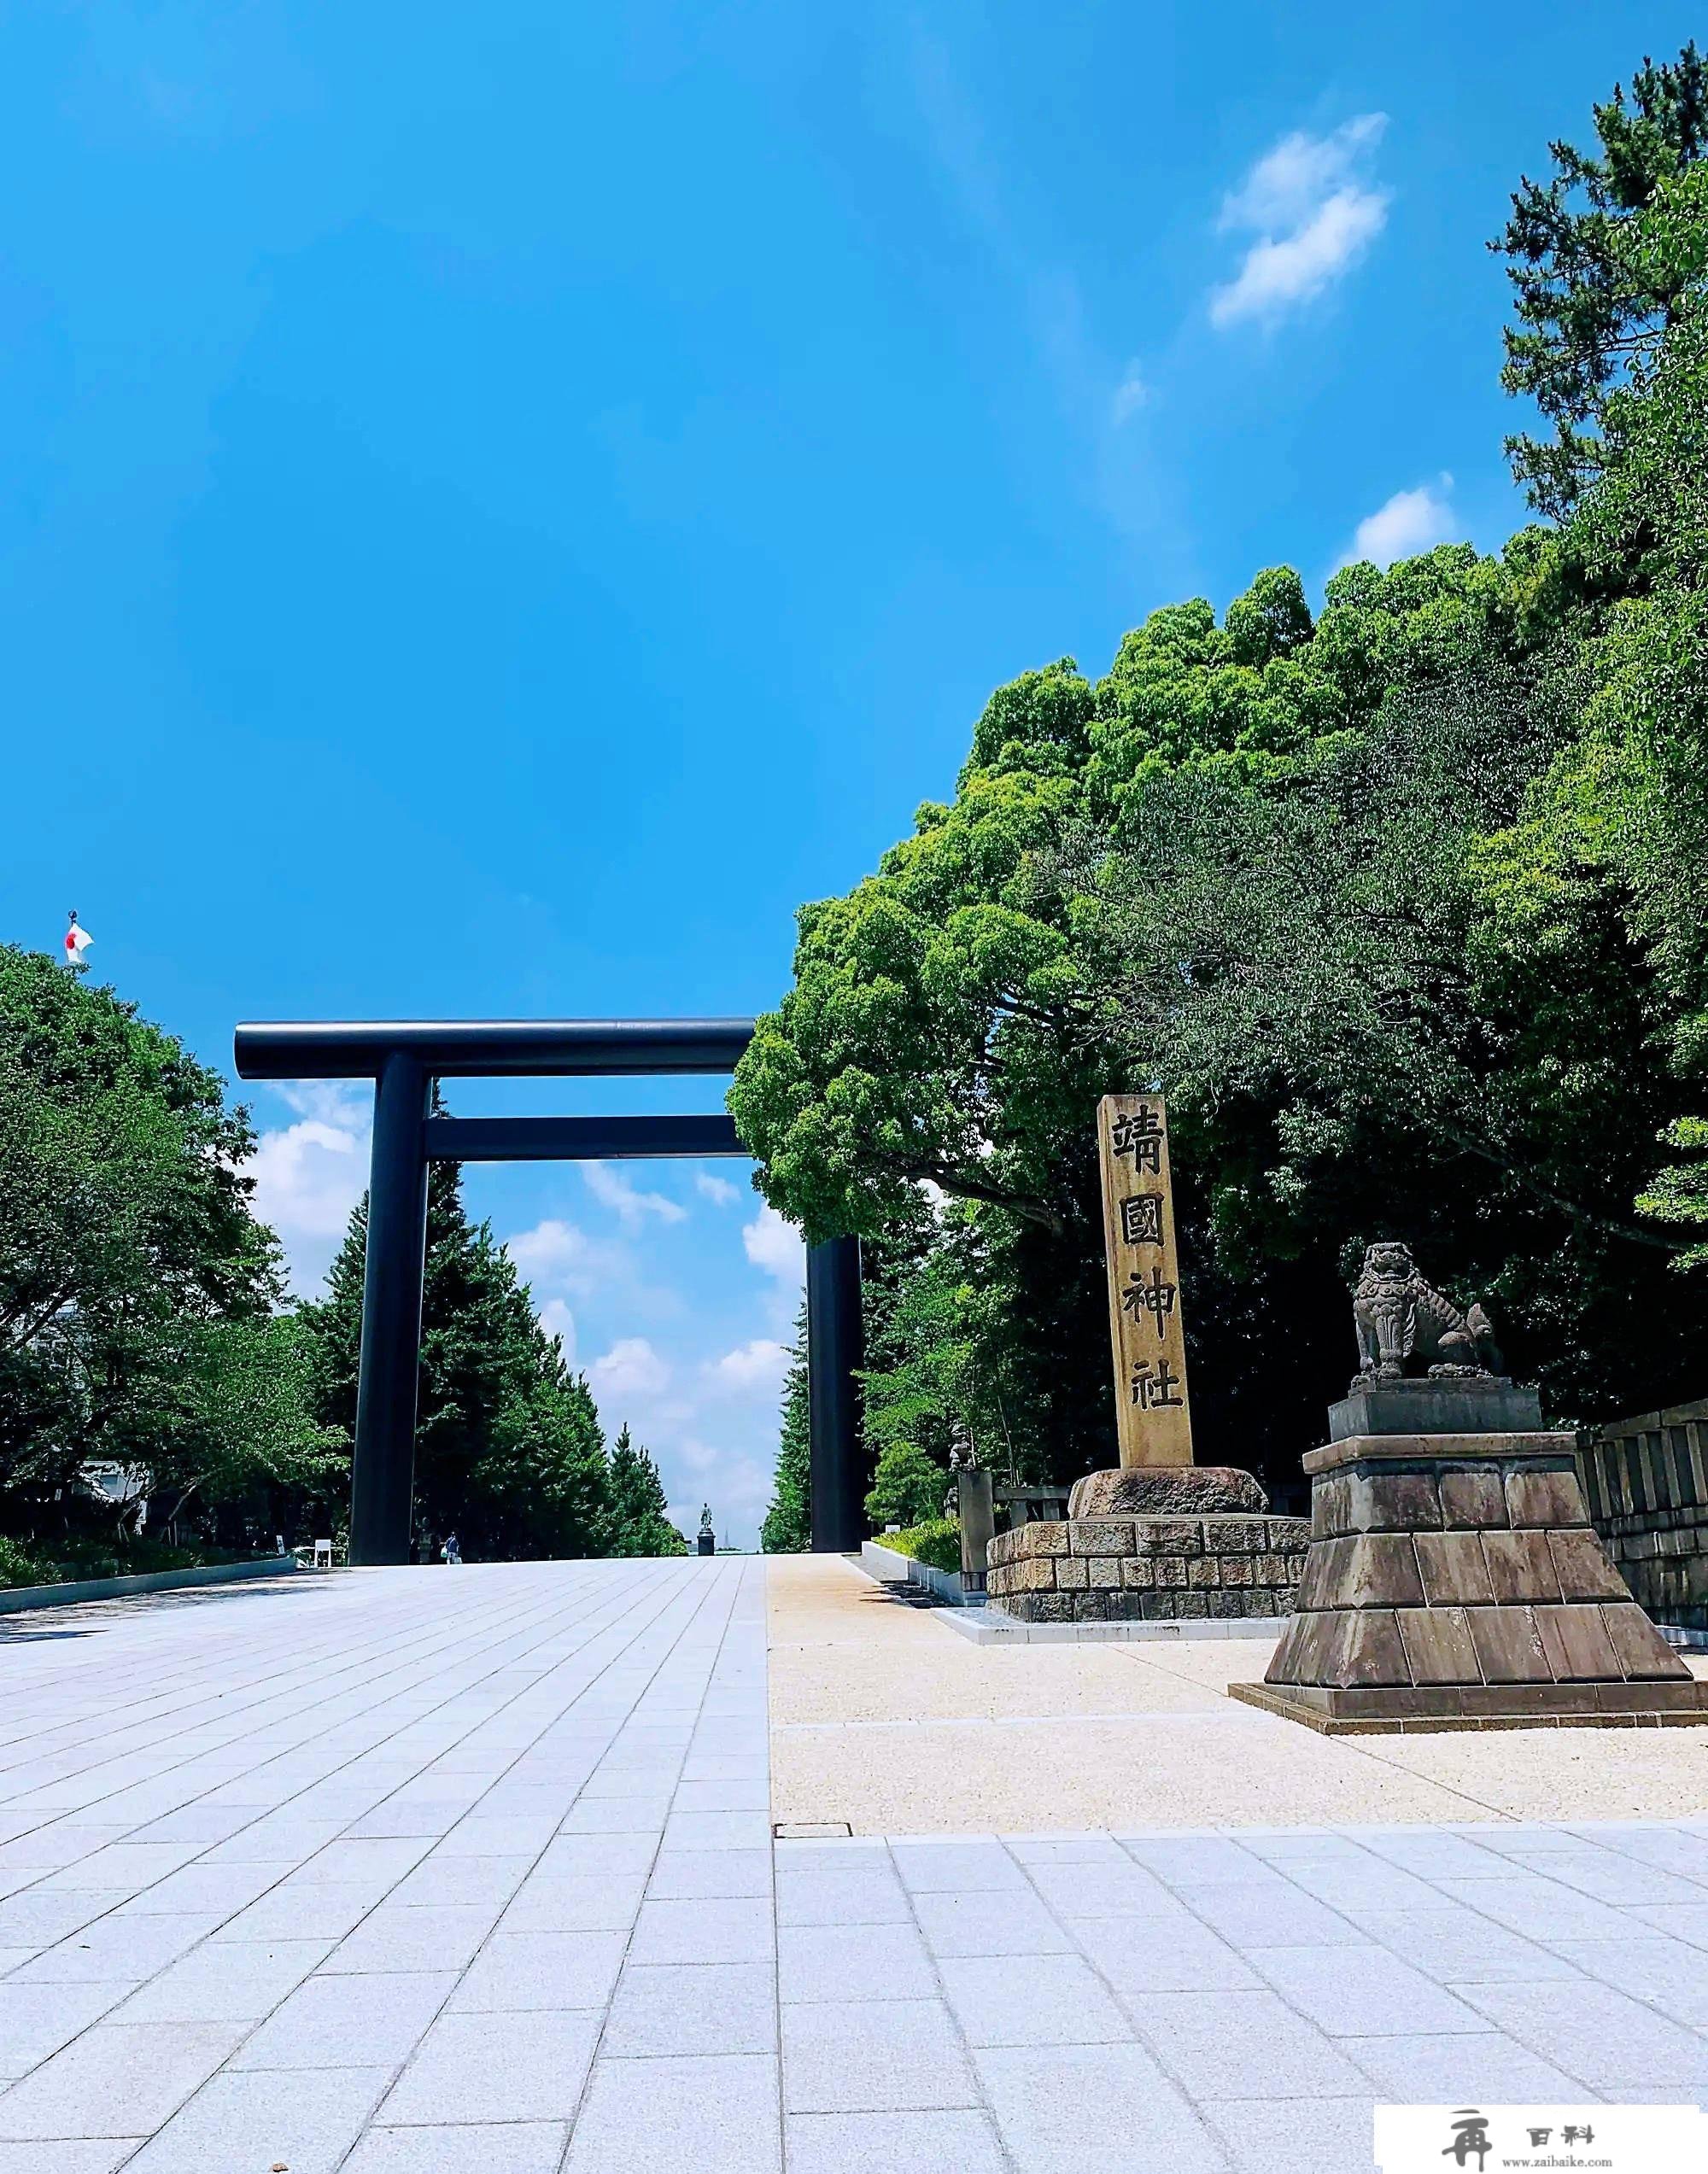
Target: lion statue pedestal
x: 1453, y: 1579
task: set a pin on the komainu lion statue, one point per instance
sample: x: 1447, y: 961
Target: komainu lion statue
x: 1400, y: 1317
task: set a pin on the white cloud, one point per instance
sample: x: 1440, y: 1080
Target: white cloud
x: 557, y: 1320
x: 632, y: 1206
x: 1313, y: 213
x: 556, y: 1255
x: 775, y: 1245
x: 1409, y: 522
x: 630, y: 1369
x: 1291, y: 181
x: 718, y: 1190
x: 1131, y: 395
x: 760, y: 1365
x: 309, y: 1175
x: 552, y: 1248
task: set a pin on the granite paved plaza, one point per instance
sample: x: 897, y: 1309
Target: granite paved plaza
x: 470, y: 1873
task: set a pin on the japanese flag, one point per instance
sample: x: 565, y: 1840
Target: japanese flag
x: 77, y: 942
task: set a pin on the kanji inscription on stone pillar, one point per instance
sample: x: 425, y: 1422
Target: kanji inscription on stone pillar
x: 1155, y: 1418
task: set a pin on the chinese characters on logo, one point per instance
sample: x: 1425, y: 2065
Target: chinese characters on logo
x: 1471, y: 2135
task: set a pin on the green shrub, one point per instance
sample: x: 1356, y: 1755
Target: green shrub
x: 907, y: 1488
x: 936, y: 1541
x: 18, y: 1566
x: 82, y: 1555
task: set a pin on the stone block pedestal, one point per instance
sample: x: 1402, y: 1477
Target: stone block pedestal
x: 1215, y: 1552
x: 1455, y: 1581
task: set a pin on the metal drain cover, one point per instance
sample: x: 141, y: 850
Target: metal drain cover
x: 811, y: 1829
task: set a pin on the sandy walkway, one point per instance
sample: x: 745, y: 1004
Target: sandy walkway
x: 883, y: 1717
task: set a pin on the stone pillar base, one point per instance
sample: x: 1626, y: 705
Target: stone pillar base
x: 1219, y: 1560
x: 1455, y: 1581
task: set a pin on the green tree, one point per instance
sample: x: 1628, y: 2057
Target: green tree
x: 244, y: 1432
x: 1625, y: 810
x: 128, y: 1253
x: 787, y: 1529
x: 955, y: 1019
x: 907, y: 1488
x: 509, y: 1454
x: 1403, y: 907
x: 1592, y: 303
x: 638, y: 1518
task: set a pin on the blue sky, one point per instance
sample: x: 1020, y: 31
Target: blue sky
x: 503, y: 504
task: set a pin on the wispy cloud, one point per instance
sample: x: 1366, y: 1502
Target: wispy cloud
x: 718, y: 1190
x: 631, y: 1206
x: 1130, y: 395
x: 1314, y: 213
x: 1409, y: 522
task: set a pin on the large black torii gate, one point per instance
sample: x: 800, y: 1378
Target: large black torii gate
x: 403, y: 1058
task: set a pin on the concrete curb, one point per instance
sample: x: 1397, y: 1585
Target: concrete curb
x: 15, y: 1599
x: 990, y: 1626
x: 888, y: 1567
x: 985, y: 1626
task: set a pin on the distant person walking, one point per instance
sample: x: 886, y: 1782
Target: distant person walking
x: 452, y: 1551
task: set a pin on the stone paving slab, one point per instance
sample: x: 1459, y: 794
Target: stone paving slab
x: 469, y: 1873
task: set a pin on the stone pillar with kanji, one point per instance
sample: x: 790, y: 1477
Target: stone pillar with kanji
x: 1153, y: 1417
x: 1154, y: 1538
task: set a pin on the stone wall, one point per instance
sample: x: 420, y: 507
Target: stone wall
x: 1646, y: 1480
x: 1103, y: 1569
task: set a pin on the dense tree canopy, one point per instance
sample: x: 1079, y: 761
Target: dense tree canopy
x: 1401, y: 904
x: 137, y: 1290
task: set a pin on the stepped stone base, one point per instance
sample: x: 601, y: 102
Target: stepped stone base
x: 1151, y: 1568
x: 1456, y: 1582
